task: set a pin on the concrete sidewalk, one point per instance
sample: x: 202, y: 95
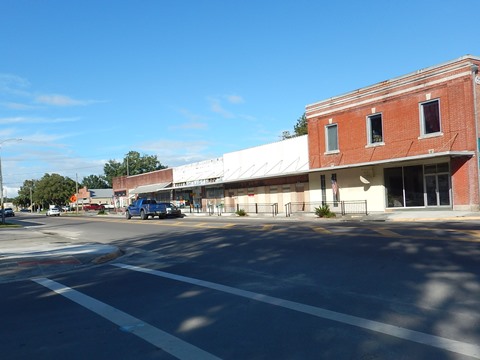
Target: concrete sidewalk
x: 396, y: 215
x: 418, y: 216
x: 26, y: 253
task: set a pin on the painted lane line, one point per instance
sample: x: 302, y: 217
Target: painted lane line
x: 321, y: 230
x: 386, y: 232
x: 455, y: 346
x: 161, y: 339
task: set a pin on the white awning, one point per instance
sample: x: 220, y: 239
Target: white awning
x: 145, y: 189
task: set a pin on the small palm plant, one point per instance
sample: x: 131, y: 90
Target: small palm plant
x: 324, y: 212
x: 241, y: 212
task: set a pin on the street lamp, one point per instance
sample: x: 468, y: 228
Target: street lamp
x: 1, y: 178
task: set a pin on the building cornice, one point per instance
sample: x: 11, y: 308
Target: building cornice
x: 393, y: 87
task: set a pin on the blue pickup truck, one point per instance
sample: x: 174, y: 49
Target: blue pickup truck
x: 146, y: 208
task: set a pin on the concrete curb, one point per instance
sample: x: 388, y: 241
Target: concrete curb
x: 108, y: 257
x: 27, y: 253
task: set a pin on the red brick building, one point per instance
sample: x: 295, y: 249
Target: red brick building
x: 147, y: 185
x: 408, y: 142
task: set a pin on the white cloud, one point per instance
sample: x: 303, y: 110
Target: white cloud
x: 14, y: 85
x: 48, y: 140
x: 60, y: 100
x: 234, y: 99
x: 190, y: 125
x: 18, y: 106
x: 216, y: 107
x: 191, y: 116
x: 175, y: 153
x: 6, y: 133
x: 10, y: 192
x: 193, y: 123
x: 35, y: 120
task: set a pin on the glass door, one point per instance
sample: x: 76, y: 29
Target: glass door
x: 443, y: 189
x: 431, y: 190
x: 437, y: 185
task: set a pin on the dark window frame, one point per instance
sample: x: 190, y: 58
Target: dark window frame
x: 375, y: 132
x: 430, y: 117
x: 328, y: 143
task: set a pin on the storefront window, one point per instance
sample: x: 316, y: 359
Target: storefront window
x: 413, y: 183
x: 394, y: 186
x: 417, y: 186
x: 183, y: 198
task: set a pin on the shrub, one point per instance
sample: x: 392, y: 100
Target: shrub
x: 324, y: 211
x: 241, y: 212
x: 102, y: 212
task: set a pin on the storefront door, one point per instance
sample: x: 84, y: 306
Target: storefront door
x: 437, y: 189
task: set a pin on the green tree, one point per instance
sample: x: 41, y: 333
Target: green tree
x: 113, y: 169
x: 95, y: 182
x: 300, y: 128
x: 54, y: 189
x: 133, y: 164
x: 23, y: 199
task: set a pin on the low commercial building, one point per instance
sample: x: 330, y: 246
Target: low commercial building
x: 406, y: 143
x: 94, y: 196
x: 267, y: 178
x: 259, y: 179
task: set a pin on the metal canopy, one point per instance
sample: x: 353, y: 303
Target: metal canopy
x: 144, y: 189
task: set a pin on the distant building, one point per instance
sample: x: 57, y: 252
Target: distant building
x: 95, y: 196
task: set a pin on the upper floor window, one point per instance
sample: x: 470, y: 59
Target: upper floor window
x: 331, y: 137
x: 375, y: 129
x: 430, y: 117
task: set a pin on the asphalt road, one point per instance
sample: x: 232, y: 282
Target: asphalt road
x: 253, y: 289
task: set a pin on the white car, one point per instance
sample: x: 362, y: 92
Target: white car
x: 53, y: 212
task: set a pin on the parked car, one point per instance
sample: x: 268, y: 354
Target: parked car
x: 93, y: 207
x: 8, y: 212
x: 171, y: 210
x: 146, y: 208
x: 55, y: 211
x: 65, y: 208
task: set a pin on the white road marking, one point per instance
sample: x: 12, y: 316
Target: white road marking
x: 455, y: 346
x: 161, y: 339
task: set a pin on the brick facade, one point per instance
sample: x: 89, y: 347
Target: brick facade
x: 125, y: 183
x: 398, y: 101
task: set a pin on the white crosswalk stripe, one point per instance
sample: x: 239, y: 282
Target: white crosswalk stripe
x: 161, y: 339
x: 455, y: 346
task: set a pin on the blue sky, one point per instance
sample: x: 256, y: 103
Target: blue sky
x: 86, y: 81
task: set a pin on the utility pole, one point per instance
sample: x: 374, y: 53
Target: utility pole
x: 76, y: 193
x: 31, y: 199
